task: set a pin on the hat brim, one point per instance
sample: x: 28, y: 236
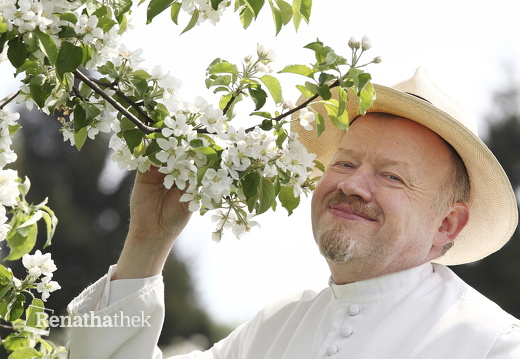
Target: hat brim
x: 492, y: 204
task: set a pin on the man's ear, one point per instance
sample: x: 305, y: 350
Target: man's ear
x: 452, y: 224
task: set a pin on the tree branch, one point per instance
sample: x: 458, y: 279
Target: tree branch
x: 125, y: 98
x: 146, y: 129
x: 297, y: 108
x: 9, y: 100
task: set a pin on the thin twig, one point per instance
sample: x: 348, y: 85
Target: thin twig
x: 297, y: 108
x: 125, y: 98
x: 9, y: 100
x: 146, y: 129
x: 229, y: 103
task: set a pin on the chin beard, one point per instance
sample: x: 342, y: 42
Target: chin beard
x: 335, y: 244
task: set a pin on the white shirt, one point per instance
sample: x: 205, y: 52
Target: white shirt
x: 425, y: 313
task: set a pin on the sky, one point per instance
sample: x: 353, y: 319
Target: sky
x: 470, y: 48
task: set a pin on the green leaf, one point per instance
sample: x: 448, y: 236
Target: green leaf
x: 106, y: 24
x: 38, y: 94
x: 287, y: 199
x: 319, y: 165
x: 282, y: 136
x: 80, y: 137
x: 324, y: 92
x: 320, y: 123
x: 3, y: 307
x: 366, y: 98
x: 121, y: 7
x: 259, y: 96
x: 363, y: 79
x: 155, y: 7
x: 51, y: 222
x: 304, y: 91
x: 342, y: 100
x: 69, y: 58
x: 70, y: 17
x: 193, y: 21
x: 17, y: 308
x: 266, y: 115
x: 47, y: 46
x: 340, y: 121
x: 274, y: 87
x: 215, y: 4
x: 277, y: 16
x: 286, y: 11
x: 24, y: 353
x: 299, y: 70
x: 67, y: 32
x: 267, y: 125
x: 81, y: 119
x: 3, y: 41
x: 174, y: 12
x: 255, y: 5
x: 34, y: 315
x: 219, y: 66
x: 21, y: 244
x: 17, y: 53
x: 250, y: 184
x: 5, y: 275
x: 133, y: 138
x: 301, y: 9
x: 266, y: 196
x: 246, y: 17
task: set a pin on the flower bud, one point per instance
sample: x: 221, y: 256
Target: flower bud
x: 288, y: 104
x: 365, y: 43
x: 353, y: 44
x: 377, y: 59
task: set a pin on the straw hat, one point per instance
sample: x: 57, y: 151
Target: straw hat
x: 492, y: 204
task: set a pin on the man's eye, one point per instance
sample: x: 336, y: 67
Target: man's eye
x: 343, y: 164
x: 394, y: 178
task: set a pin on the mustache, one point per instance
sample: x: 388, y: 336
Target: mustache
x: 355, y: 203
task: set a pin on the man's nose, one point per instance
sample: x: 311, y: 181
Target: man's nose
x: 358, y: 183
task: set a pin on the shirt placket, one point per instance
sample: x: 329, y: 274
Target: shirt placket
x: 342, y: 329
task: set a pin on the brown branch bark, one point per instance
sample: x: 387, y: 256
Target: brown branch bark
x: 146, y: 129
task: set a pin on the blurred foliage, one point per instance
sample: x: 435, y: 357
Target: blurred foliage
x: 498, y: 276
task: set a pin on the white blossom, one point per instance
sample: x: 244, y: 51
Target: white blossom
x: 87, y: 26
x: 193, y: 198
x: 122, y: 154
x: 217, y: 183
x: 366, y: 43
x: 213, y: 119
x: 306, y: 117
x: 4, y: 227
x: 8, y: 187
x: 171, y: 95
x: 39, y: 264
x: 132, y: 58
x: 177, y: 126
x: 265, y: 53
x: 182, y: 173
x: 46, y: 287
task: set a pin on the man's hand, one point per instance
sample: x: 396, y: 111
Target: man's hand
x: 156, y: 220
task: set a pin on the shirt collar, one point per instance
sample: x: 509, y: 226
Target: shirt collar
x: 385, y: 284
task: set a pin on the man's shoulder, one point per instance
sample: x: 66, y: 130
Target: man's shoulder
x: 472, y: 305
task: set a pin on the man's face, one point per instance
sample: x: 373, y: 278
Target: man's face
x: 374, y: 210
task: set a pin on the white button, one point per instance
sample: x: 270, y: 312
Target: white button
x: 353, y: 310
x: 346, y: 332
x: 332, y: 350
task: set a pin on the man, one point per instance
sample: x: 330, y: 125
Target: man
x: 408, y: 187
